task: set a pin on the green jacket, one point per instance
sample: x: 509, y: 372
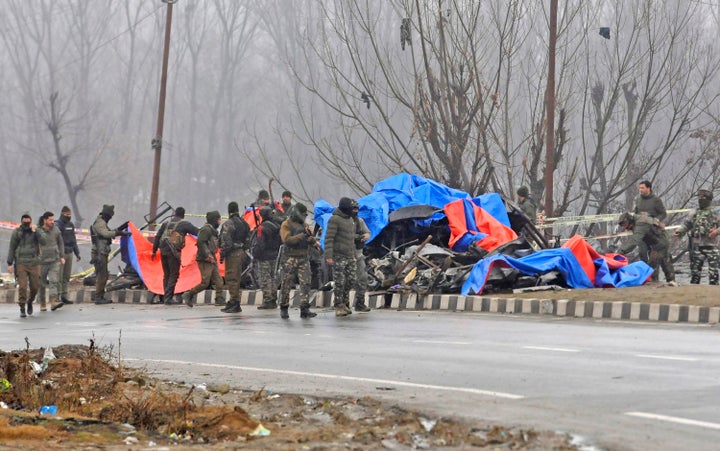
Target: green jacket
x: 650, y: 205
x: 207, y: 243
x: 24, y: 248
x: 51, y: 245
x: 102, y: 236
x: 340, y: 236
x: 293, y: 236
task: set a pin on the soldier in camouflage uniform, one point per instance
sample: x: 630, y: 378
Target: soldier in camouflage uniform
x: 296, y: 238
x: 340, y: 254
x: 265, y: 253
x: 648, y: 232
x: 702, y: 227
x: 362, y: 234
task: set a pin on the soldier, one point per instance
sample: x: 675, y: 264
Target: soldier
x: 650, y: 205
x: 340, y: 254
x: 67, y: 230
x: 233, y: 242
x: 170, y: 239
x: 527, y: 204
x: 266, y: 250
x: 102, y: 237
x: 286, y: 204
x: 52, y: 257
x: 207, y: 244
x: 649, y: 232
x: 263, y: 199
x: 362, y: 234
x: 23, y: 260
x: 297, y: 238
x: 702, y: 227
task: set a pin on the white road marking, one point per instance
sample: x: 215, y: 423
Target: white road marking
x: 667, y: 357
x: 473, y: 391
x: 439, y: 342
x: 686, y: 421
x: 543, y: 348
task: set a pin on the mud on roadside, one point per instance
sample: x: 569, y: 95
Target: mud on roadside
x: 102, y: 404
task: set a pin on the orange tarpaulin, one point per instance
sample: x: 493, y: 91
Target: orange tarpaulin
x: 139, y: 255
x: 468, y: 221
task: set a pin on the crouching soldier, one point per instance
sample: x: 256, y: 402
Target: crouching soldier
x: 648, y: 231
x: 702, y: 228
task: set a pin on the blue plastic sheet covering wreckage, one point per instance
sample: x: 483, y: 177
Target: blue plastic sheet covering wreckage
x: 479, y: 226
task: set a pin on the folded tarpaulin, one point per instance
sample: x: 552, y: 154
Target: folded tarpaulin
x: 579, y: 264
x: 137, y: 251
x: 471, y: 224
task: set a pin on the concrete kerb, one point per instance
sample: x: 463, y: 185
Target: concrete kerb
x: 616, y: 310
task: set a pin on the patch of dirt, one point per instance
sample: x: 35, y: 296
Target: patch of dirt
x: 651, y: 292
x: 103, y: 404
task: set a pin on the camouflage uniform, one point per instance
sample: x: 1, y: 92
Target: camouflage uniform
x: 340, y: 253
x: 265, y: 253
x: 702, y: 247
x: 296, y: 239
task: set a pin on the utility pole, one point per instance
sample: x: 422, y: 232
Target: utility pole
x: 550, y: 111
x: 157, y: 140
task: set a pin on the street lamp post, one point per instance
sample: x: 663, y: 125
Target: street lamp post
x: 157, y: 140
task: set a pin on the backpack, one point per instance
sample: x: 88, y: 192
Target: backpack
x: 174, y: 239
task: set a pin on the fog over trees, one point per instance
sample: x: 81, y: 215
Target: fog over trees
x: 329, y: 96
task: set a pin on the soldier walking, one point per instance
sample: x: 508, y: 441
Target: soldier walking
x: 23, y: 260
x: 52, y: 257
x: 702, y: 228
x: 102, y: 237
x: 207, y: 246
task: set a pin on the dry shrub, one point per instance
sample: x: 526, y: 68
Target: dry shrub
x: 21, y: 432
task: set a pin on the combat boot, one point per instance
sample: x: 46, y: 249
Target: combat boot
x: 188, y: 299
x: 361, y: 307
x: 306, y: 313
x: 55, y: 304
x: 65, y: 300
x: 29, y: 308
x: 22, y: 312
x: 232, y: 307
x: 347, y: 309
x: 284, y: 313
x: 340, y: 311
x: 99, y: 300
x: 220, y: 300
x: 267, y: 306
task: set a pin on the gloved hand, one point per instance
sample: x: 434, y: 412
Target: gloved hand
x: 124, y: 233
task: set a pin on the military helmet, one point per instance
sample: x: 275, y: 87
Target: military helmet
x: 626, y: 220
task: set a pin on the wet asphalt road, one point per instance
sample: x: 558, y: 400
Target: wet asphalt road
x: 618, y: 385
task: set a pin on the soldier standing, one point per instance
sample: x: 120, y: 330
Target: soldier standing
x: 527, y: 204
x: 297, y: 238
x: 702, y: 227
x: 233, y: 242
x: 52, y: 257
x: 362, y: 234
x: 207, y: 246
x: 67, y: 229
x: 266, y: 250
x: 340, y: 254
x: 648, y: 204
x: 170, y: 239
x: 102, y: 237
x: 23, y: 258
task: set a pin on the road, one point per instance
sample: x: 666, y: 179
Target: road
x: 615, y: 385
